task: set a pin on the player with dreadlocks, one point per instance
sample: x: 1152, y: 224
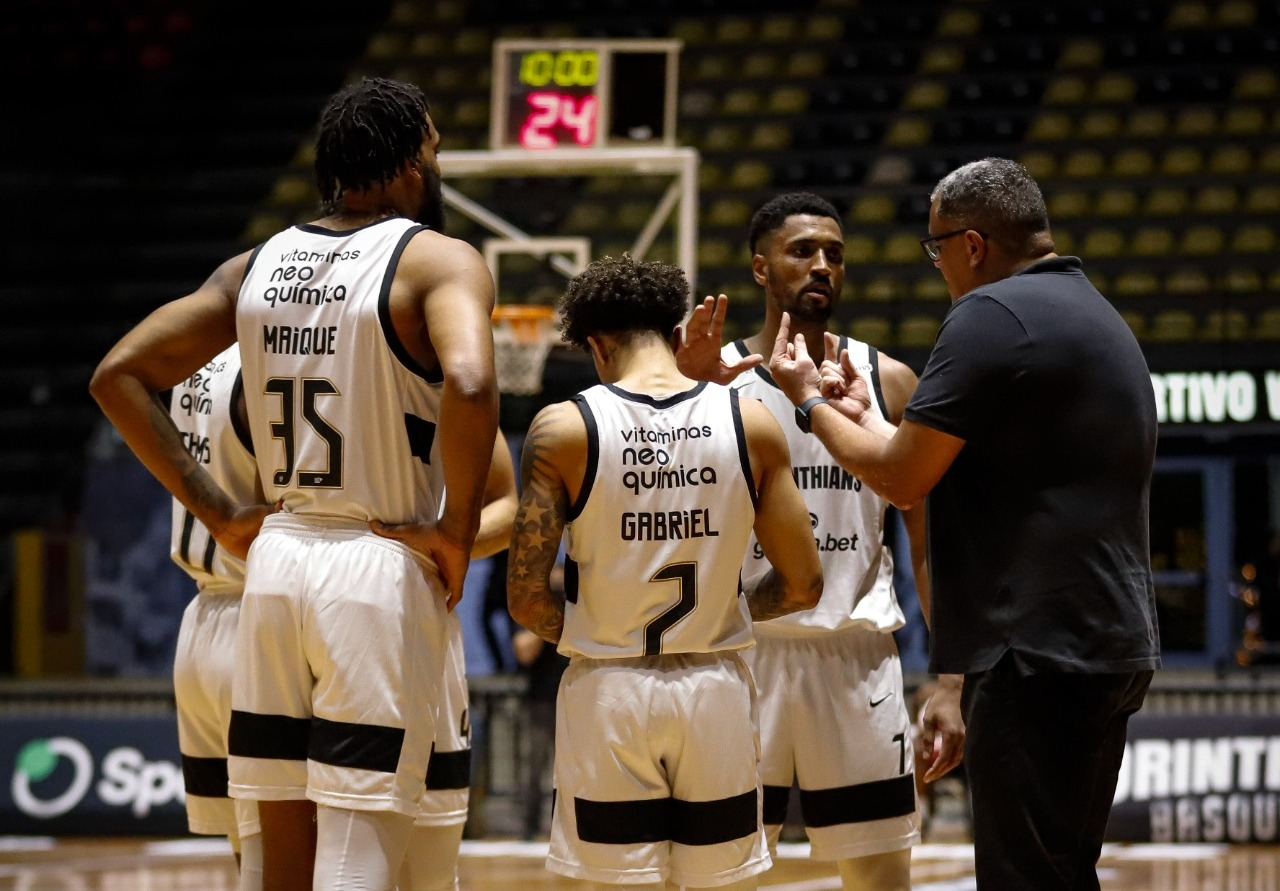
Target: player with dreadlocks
x: 368, y: 378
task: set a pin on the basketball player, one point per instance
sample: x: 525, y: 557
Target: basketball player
x: 831, y: 673
x: 208, y: 411
x: 657, y: 482
x: 368, y: 375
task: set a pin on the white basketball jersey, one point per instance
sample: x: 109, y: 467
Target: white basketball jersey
x: 847, y: 518
x: 343, y: 418
x: 655, y: 540
x: 203, y: 410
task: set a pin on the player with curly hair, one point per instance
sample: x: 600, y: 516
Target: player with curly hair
x: 656, y: 482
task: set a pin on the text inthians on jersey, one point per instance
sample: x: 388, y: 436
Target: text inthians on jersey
x: 649, y: 468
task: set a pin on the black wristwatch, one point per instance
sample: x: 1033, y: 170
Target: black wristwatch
x: 802, y: 412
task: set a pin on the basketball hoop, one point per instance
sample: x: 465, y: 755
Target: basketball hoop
x: 523, y: 335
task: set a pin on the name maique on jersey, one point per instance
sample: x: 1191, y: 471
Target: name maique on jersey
x: 294, y: 341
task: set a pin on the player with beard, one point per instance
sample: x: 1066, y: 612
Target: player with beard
x: 832, y: 710
x: 368, y: 376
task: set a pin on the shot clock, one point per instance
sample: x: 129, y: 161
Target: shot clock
x: 585, y: 94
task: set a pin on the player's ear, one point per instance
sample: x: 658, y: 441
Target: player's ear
x: 758, y: 265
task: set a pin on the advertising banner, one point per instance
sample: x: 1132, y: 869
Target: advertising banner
x: 1199, y: 778
x: 91, y: 776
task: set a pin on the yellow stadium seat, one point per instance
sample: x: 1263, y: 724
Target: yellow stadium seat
x: 931, y: 287
x: 742, y: 101
x: 902, y: 247
x: 1263, y: 199
x: 770, y: 136
x: 473, y: 42
x: 1182, y: 160
x: 823, y: 28
x: 1187, y: 15
x: 874, y: 330
x: 714, y: 67
x: 1230, y: 160
x: 1241, y: 280
x: 697, y: 103
x: 1067, y: 89
x: 873, y: 209
x: 1202, y: 241
x: 1165, y: 201
x: 941, y: 59
x: 918, y: 331
x: 1069, y: 204
x: 1137, y: 323
x: 1152, y: 241
x: 1197, y: 120
x: 750, y: 174
x: 788, y: 100
x: 1041, y: 165
x: 1102, y: 243
x: 1147, y: 123
x: 1050, y: 126
x: 1254, y: 238
x: 1084, y: 52
x: 1132, y: 162
x: 1245, y: 120
x: 1267, y: 325
x: 1215, y: 201
x: 860, y: 249
x: 723, y: 138
x: 925, y: 94
x: 692, y: 31
x: 710, y: 175
x: 1256, y: 84
x: 429, y: 45
x: 472, y: 113
x: 779, y: 29
x: 292, y: 189
x: 959, y: 21
x: 1172, y: 325
x: 1225, y: 324
x: 1115, y: 88
x: 734, y: 29
x: 1100, y: 125
x: 761, y: 66
x: 1138, y: 283
x: 262, y: 226
x: 384, y: 45
x: 1269, y: 161
x: 1083, y: 164
x: 1065, y: 243
x: 806, y: 64
x: 909, y: 131
x: 1117, y: 203
x: 1189, y: 281
x: 713, y: 252
x: 882, y: 290
x: 1236, y: 14
x: 729, y: 213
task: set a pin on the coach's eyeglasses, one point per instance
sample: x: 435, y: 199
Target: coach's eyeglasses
x: 933, y: 250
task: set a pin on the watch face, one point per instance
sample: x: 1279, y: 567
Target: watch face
x: 802, y: 421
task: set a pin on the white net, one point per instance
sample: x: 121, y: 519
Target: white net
x: 522, y: 337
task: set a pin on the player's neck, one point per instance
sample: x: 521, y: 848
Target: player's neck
x: 646, y: 366
x: 762, y: 341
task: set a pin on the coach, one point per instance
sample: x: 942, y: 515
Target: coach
x: 1032, y: 432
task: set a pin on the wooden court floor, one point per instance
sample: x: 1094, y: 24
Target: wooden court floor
x: 40, y: 864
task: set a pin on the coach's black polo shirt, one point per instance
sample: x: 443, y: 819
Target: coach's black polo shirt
x: 1038, y: 532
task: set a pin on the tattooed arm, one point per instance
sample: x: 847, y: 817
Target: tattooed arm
x: 551, y: 470
x: 164, y: 349
x: 794, y: 580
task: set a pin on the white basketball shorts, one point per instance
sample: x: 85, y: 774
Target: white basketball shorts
x: 339, y: 659
x: 449, y: 771
x: 656, y: 772
x: 202, y: 669
x: 832, y: 716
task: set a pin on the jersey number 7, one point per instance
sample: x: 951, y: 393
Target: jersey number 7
x: 686, y: 575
